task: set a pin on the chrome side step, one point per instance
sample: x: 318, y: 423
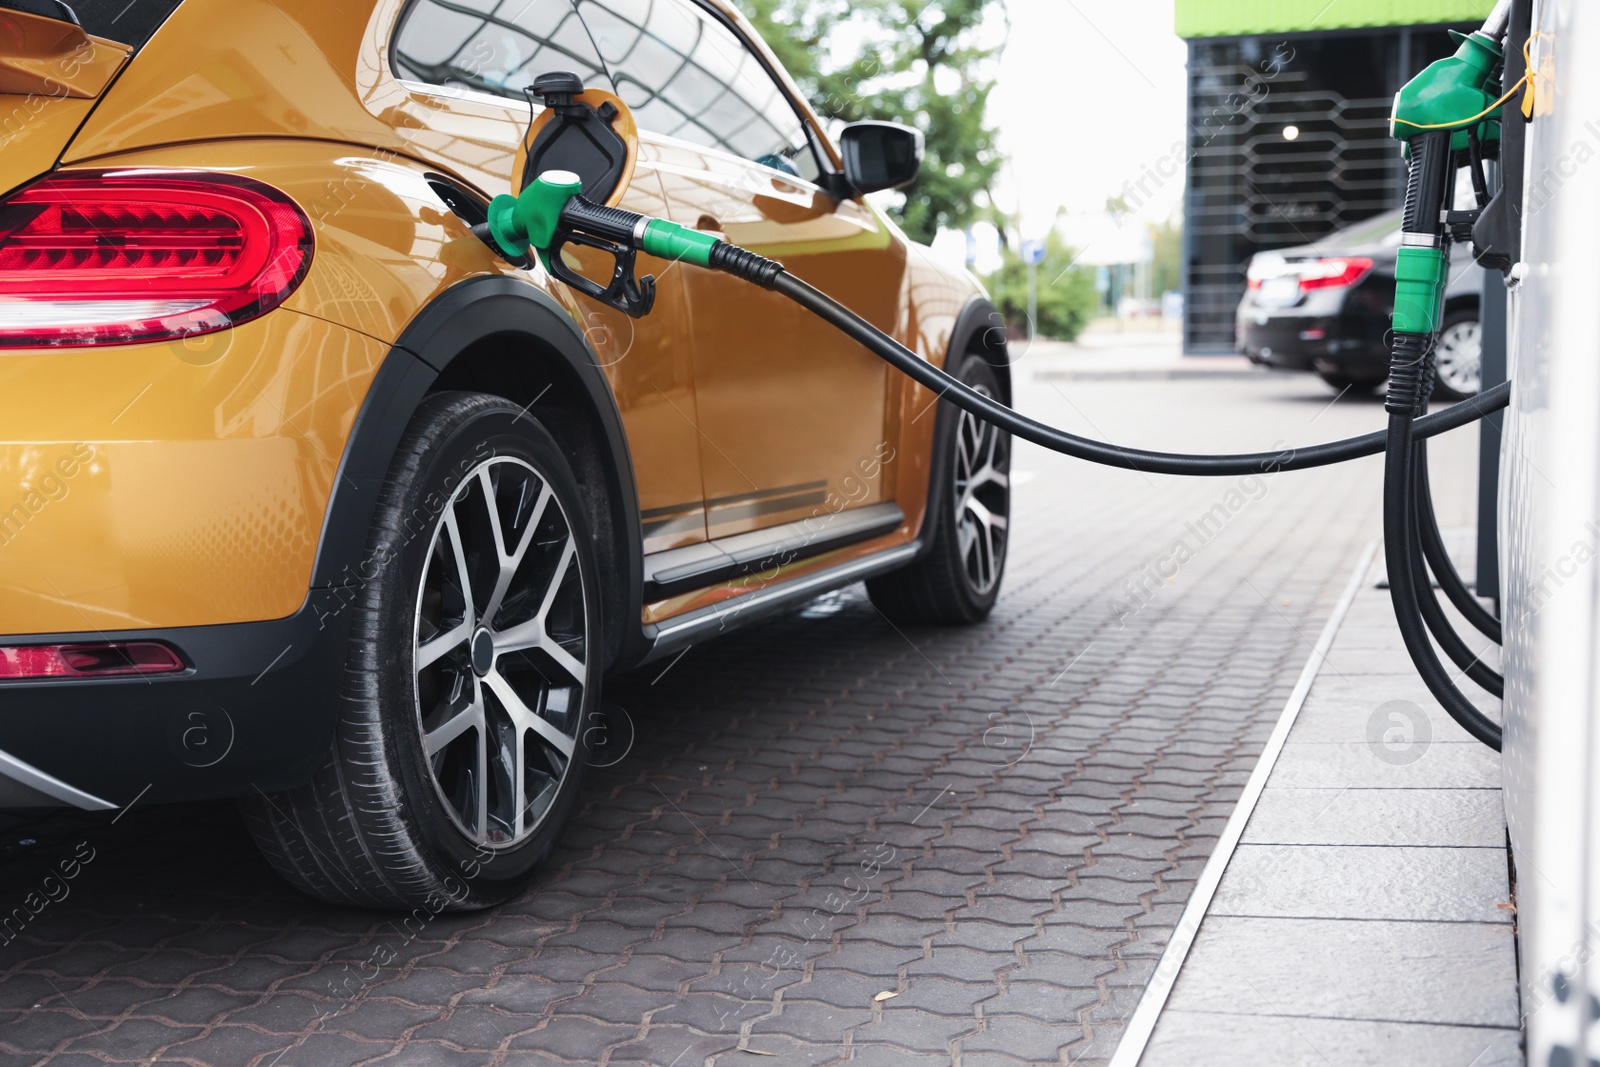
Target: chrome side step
x: 767, y: 600
x: 683, y: 570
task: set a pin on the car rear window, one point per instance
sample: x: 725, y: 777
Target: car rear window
x: 1368, y: 231
x: 129, y: 22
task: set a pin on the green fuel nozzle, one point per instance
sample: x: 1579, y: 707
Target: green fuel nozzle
x: 1447, y: 114
x: 1456, y: 93
x: 552, y: 213
x: 517, y: 222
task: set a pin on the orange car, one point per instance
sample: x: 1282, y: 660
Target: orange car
x: 309, y: 497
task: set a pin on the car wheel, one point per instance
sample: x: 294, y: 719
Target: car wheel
x: 956, y: 581
x: 1458, y: 357
x: 1343, y: 382
x: 473, y: 666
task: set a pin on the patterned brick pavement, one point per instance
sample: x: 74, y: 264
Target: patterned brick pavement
x: 831, y: 841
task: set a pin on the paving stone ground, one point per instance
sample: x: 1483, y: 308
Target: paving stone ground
x: 998, y: 825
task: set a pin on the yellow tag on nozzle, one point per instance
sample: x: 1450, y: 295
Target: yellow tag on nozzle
x: 1540, y: 80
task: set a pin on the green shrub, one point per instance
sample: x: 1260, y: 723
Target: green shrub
x: 1067, y: 296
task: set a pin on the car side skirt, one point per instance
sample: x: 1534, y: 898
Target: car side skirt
x: 765, y: 600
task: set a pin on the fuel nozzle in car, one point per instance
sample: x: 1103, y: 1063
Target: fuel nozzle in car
x: 579, y: 155
x: 552, y: 213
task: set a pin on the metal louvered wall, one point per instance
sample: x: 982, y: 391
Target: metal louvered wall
x: 1250, y: 188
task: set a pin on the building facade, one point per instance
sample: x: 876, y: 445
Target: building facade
x: 1288, y: 134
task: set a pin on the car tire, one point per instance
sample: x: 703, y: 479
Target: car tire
x: 1343, y: 382
x: 956, y: 581
x: 1458, y: 356
x: 472, y: 669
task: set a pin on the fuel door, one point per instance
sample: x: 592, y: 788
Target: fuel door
x: 589, y: 132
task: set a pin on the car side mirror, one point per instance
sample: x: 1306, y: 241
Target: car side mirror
x: 880, y: 155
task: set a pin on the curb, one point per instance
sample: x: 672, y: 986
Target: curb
x: 1150, y: 374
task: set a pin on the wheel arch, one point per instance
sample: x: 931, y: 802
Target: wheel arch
x: 980, y: 330
x: 504, y: 336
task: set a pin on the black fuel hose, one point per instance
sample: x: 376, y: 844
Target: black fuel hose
x: 948, y: 388
x: 1402, y: 587
x: 1439, y: 560
x: 1433, y: 614
x: 630, y: 230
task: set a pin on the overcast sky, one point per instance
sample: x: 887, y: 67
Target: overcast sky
x: 1089, y: 93
x: 1089, y: 99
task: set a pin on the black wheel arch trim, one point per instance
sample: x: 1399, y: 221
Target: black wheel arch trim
x: 979, y: 329
x: 469, y: 312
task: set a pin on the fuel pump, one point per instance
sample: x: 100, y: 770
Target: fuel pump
x: 1447, y: 116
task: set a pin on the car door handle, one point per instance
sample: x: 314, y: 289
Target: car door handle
x: 708, y: 224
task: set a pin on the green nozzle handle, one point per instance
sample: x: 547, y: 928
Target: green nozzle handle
x: 1456, y: 93
x: 1422, y: 264
x: 668, y: 240
x: 516, y: 222
x: 554, y: 202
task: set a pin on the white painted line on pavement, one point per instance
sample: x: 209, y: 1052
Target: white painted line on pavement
x: 1143, y: 1021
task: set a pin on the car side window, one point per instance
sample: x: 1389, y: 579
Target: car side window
x: 686, y: 75
x: 494, y: 46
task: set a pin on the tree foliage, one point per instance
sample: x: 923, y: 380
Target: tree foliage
x: 1067, y: 296
x: 921, y: 62
x: 1167, y: 239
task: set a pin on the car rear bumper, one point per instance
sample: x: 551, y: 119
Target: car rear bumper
x: 1305, y: 343
x: 254, y: 710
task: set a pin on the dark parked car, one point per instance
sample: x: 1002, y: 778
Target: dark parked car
x: 1326, y: 307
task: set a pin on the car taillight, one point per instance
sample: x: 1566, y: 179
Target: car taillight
x: 1333, y: 273
x: 115, y: 257
x: 98, y: 660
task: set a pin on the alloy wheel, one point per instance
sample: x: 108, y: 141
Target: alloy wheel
x: 500, y: 652
x: 982, y: 499
x: 1458, y: 356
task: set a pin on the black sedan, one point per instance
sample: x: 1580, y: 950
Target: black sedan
x: 1326, y: 307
